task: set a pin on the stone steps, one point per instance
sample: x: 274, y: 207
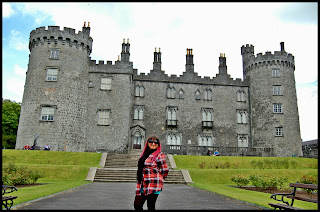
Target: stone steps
x: 123, y: 168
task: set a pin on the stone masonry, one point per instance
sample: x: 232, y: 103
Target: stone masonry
x: 77, y: 104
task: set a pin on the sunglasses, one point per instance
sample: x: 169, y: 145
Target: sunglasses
x: 153, y: 140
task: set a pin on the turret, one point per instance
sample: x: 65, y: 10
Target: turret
x: 189, y: 61
x: 125, y: 53
x: 157, y: 60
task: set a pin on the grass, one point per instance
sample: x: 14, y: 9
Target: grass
x: 218, y: 180
x: 66, y: 170
x: 62, y: 170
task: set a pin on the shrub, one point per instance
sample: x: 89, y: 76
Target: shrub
x: 235, y: 165
x: 202, y: 165
x: 294, y: 164
x: 253, y: 164
x: 308, y: 180
x: 240, y: 180
x: 13, y: 175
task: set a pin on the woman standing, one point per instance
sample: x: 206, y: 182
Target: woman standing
x: 152, y: 170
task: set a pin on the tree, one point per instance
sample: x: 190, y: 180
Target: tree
x: 10, y: 122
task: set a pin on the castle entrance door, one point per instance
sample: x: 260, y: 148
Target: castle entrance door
x: 137, y: 138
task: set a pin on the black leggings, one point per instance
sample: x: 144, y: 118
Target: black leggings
x: 151, y: 202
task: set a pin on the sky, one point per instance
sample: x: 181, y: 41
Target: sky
x: 207, y: 28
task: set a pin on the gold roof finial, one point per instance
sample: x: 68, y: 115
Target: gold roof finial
x: 84, y: 25
x: 88, y: 24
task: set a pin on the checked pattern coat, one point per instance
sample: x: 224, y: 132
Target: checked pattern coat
x: 154, y: 172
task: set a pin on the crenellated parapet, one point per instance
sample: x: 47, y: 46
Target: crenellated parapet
x: 188, y: 77
x: 67, y: 37
x: 280, y: 58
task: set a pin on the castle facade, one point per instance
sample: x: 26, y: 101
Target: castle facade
x: 74, y: 103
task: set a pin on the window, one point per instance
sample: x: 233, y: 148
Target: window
x: 181, y: 94
x: 278, y: 131
x: 197, y: 95
x: 207, y: 95
x: 275, y: 73
x: 47, y: 113
x: 138, y: 112
x: 52, y: 74
x: 103, y: 117
x: 241, y: 96
x: 207, y: 118
x: 205, y: 140
x: 54, y: 53
x: 172, y: 116
x: 277, y: 90
x: 241, y: 116
x: 171, y: 93
x: 277, y: 108
x: 174, y: 141
x: 137, y: 137
x: 106, y: 83
x: 139, y: 91
x: 242, y: 140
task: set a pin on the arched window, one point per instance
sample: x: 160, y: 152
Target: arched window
x: 171, y: 93
x: 241, y: 96
x: 139, y: 91
x: 208, y: 95
x: 181, y: 94
x: 198, y: 95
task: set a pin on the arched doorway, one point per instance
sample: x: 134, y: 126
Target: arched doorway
x: 137, y: 138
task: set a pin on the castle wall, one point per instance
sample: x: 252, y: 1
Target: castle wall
x: 115, y: 136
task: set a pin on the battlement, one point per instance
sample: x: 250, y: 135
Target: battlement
x: 278, y: 58
x: 119, y: 67
x: 187, y: 77
x: 67, y: 36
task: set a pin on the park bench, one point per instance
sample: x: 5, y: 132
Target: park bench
x: 7, y: 201
x: 292, y: 195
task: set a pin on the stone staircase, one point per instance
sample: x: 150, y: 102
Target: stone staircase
x: 123, y: 168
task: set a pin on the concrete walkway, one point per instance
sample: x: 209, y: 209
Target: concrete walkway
x: 120, y: 196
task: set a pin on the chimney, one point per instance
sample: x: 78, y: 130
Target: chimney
x: 157, y: 60
x: 189, y: 61
x: 222, y: 64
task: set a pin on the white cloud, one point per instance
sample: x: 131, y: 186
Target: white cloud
x: 7, y: 11
x: 18, y: 42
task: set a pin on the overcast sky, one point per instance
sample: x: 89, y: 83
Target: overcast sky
x: 208, y: 28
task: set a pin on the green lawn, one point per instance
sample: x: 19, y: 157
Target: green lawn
x: 62, y: 170
x: 218, y: 180
x: 66, y: 170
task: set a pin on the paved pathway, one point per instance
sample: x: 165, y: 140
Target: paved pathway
x: 120, y: 196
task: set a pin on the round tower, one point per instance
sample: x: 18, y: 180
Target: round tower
x: 273, y: 100
x: 54, y: 102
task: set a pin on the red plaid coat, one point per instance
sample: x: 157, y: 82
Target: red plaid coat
x: 154, y: 172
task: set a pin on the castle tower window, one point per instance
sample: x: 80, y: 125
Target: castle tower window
x: 172, y: 116
x: 181, y: 94
x: 277, y: 90
x: 241, y: 116
x: 198, y: 95
x: 204, y: 140
x: 279, y: 131
x: 208, y: 95
x: 275, y: 73
x: 52, y: 74
x: 138, y: 113
x: 54, y: 53
x: 174, y: 141
x: 242, y: 140
x: 103, y: 117
x: 139, y: 91
x: 171, y: 93
x: 241, y: 96
x: 207, y: 122
x: 47, y: 113
x: 277, y: 108
x: 106, y: 83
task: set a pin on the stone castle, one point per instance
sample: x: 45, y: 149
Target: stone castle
x: 74, y: 103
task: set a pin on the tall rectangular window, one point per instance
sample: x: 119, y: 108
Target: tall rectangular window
x: 172, y: 116
x: 138, y: 112
x: 207, y: 114
x: 52, y: 74
x: 275, y: 73
x: 47, y: 113
x: 54, y: 53
x: 139, y: 91
x: 242, y: 140
x: 106, y: 83
x: 278, y: 131
x: 241, y: 116
x: 207, y: 95
x: 205, y: 140
x: 103, y: 117
x: 277, y: 90
x: 277, y: 108
x: 241, y: 97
